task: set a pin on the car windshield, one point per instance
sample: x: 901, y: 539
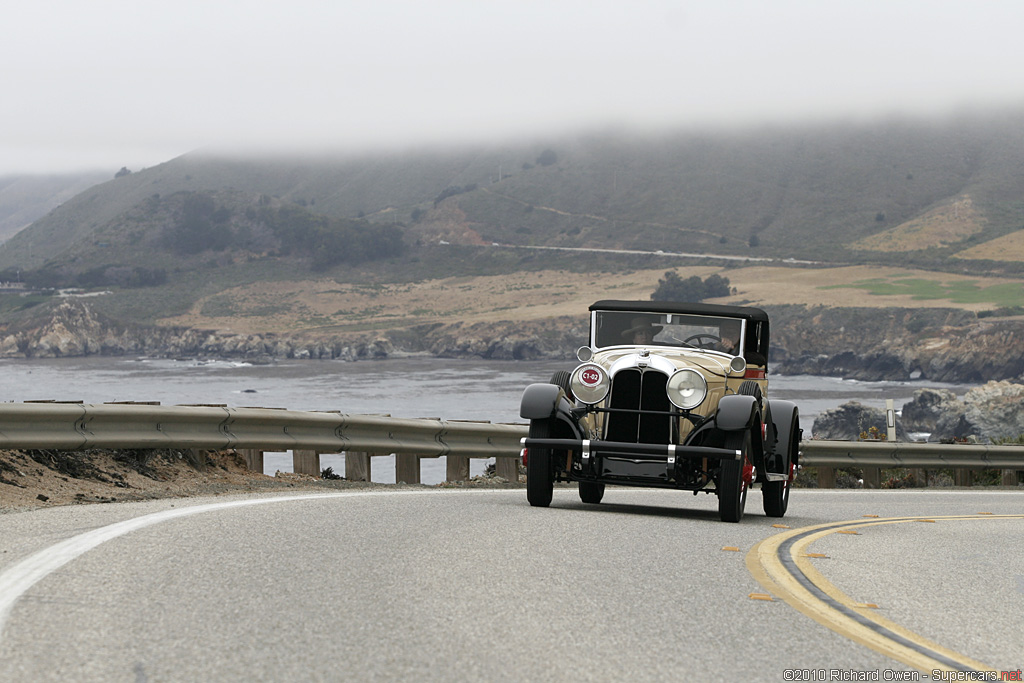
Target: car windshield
x: 618, y: 328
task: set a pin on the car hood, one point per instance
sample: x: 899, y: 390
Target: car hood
x: 712, y: 365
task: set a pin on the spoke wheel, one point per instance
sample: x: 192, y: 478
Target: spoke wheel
x: 732, y: 490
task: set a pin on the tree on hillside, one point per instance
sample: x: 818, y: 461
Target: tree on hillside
x: 198, y: 225
x: 692, y: 289
x: 547, y: 158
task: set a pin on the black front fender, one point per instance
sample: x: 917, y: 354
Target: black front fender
x: 541, y: 401
x: 736, y: 412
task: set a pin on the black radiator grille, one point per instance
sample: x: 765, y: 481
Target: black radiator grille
x: 633, y: 390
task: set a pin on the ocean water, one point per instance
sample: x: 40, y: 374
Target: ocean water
x: 414, y: 387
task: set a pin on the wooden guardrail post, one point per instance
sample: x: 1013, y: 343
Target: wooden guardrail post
x: 306, y: 462
x: 456, y: 468
x: 1009, y: 478
x: 407, y: 469
x: 826, y: 478
x: 963, y: 477
x: 872, y: 477
x: 920, y: 476
x: 357, y: 466
x: 253, y: 458
x: 507, y: 468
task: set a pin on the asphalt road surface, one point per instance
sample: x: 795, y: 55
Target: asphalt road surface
x: 476, y: 585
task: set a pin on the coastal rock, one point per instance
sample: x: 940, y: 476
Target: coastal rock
x: 928, y: 406
x: 866, y: 344
x: 992, y: 411
x: 10, y: 347
x: 850, y: 420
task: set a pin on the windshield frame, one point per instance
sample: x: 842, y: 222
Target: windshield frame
x: 612, y: 328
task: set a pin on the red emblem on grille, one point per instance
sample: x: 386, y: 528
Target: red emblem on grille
x: 590, y: 376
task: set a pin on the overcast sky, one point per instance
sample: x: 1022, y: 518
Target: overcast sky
x: 112, y: 83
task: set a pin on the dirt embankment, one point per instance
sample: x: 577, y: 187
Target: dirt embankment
x: 43, y: 478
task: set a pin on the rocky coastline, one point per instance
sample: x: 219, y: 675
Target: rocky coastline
x: 870, y: 344
x: 988, y: 413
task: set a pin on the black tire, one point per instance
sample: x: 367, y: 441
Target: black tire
x: 750, y: 388
x: 732, y: 490
x: 561, y: 379
x: 540, y: 479
x: 775, y: 494
x: 591, y: 492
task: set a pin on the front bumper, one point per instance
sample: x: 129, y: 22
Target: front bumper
x: 636, y: 464
x: 589, y: 448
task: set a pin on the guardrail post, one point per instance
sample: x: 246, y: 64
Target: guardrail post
x: 1009, y: 478
x: 407, y: 469
x: 253, y: 458
x: 872, y: 477
x: 357, y: 466
x: 963, y: 477
x: 507, y: 468
x: 920, y: 476
x: 826, y: 478
x: 457, y: 468
x: 306, y: 462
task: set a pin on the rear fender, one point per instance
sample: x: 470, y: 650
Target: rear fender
x: 787, y: 420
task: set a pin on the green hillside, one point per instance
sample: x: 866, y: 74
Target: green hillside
x: 808, y: 192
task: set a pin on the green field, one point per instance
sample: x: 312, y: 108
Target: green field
x: 963, y: 292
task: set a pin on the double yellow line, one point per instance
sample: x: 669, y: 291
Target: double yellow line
x: 783, y: 566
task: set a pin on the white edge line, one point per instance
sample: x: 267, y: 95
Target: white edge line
x: 16, y: 580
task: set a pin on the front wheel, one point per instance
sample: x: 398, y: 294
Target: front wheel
x: 540, y: 479
x: 732, y: 489
x: 775, y: 494
x: 591, y: 492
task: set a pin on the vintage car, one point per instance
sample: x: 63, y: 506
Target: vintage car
x: 667, y: 395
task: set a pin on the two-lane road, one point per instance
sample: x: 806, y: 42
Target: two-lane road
x: 471, y: 585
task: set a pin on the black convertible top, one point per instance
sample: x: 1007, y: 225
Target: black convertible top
x: 744, y: 312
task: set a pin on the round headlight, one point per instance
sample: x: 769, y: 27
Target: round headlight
x: 687, y: 389
x: 738, y: 365
x: 589, y: 383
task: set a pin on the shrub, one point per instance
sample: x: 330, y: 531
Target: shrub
x: 547, y: 158
x: 692, y: 289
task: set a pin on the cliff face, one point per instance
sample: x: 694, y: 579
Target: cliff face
x: 944, y: 345
x: 867, y: 344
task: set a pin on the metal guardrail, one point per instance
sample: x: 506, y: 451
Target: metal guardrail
x: 81, y: 426
x: 893, y: 454
x: 76, y: 426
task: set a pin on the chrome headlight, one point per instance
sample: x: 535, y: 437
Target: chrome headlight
x: 589, y: 383
x: 687, y: 389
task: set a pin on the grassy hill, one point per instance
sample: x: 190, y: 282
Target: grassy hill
x: 826, y: 192
x: 940, y: 197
